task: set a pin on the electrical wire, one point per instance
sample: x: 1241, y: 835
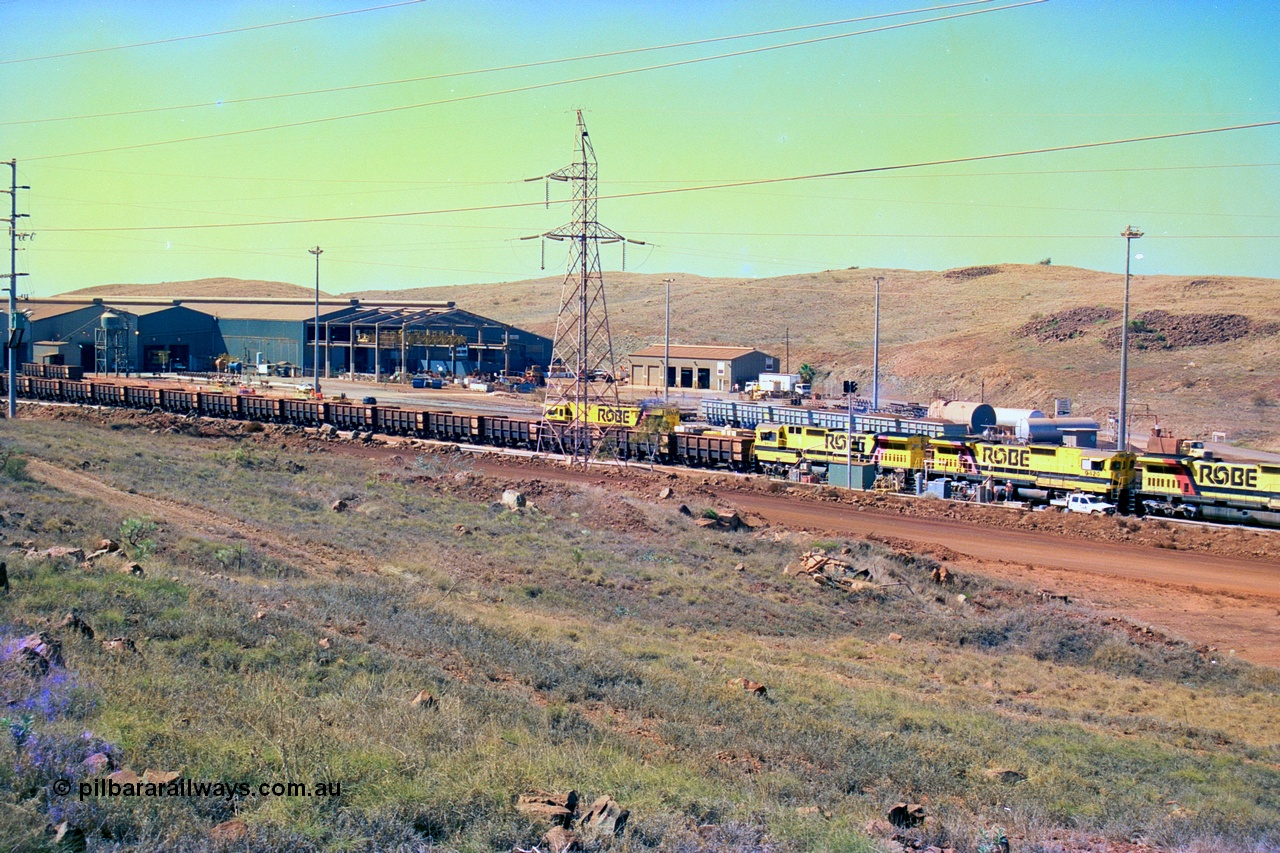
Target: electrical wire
x: 843, y: 173
x: 207, y: 35
x: 531, y: 87
x: 256, y: 179
x: 932, y: 175
x: 976, y: 205
x: 513, y: 67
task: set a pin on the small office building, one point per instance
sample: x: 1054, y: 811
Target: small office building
x: 707, y: 368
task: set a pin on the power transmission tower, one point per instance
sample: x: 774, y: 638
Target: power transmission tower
x: 582, y: 413
x: 13, y: 336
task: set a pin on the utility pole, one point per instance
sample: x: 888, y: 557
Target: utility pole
x: 14, y: 338
x: 1122, y: 431
x: 582, y: 343
x: 315, y: 360
x: 666, y: 351
x: 875, y: 353
x: 848, y: 440
x: 850, y: 388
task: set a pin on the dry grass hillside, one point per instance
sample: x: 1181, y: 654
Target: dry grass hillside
x: 1207, y: 356
x: 962, y: 333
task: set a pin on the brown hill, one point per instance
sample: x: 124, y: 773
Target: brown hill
x: 201, y: 287
x: 1205, y: 356
x: 961, y: 334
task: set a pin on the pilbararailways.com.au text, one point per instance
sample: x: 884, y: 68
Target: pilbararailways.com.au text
x: 190, y: 788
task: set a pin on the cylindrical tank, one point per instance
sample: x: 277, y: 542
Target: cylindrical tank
x: 1010, y: 417
x: 1049, y: 430
x: 112, y: 322
x: 1078, y: 425
x: 976, y: 416
x: 1038, y: 431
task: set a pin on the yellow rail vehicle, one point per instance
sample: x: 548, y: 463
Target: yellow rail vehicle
x: 782, y: 446
x: 612, y: 416
x: 902, y: 452
x: 1182, y: 485
x: 1050, y: 468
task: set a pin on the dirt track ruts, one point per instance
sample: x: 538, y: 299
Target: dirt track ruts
x: 189, y: 517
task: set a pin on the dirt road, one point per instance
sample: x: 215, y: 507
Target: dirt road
x: 1229, y: 605
x: 1207, y: 572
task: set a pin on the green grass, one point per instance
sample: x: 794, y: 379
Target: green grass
x: 568, y: 653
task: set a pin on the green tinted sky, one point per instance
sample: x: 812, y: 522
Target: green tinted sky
x: 1058, y: 73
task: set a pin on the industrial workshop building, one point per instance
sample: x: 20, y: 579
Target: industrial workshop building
x: 378, y: 338
x: 706, y: 368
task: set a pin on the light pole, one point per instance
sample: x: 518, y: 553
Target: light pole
x: 875, y: 353
x: 1122, y: 433
x: 666, y: 350
x: 315, y: 359
x: 848, y: 438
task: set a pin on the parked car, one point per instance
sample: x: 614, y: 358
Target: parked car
x: 1087, y: 504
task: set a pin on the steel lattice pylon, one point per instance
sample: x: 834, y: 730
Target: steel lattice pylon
x: 580, y: 384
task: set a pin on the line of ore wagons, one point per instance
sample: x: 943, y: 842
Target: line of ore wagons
x: 1166, y: 483
x: 496, y: 430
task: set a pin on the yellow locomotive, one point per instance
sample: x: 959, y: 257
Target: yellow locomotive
x: 1200, y: 486
x: 1050, y: 468
x: 612, y: 416
x: 782, y: 446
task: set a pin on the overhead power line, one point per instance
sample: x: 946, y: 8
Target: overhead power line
x: 535, y: 86
x: 514, y: 67
x: 445, y: 183
x: 842, y: 173
x: 90, y: 50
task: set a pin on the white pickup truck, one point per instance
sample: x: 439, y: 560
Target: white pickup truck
x: 1087, y: 504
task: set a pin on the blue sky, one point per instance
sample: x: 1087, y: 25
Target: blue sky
x: 1056, y: 73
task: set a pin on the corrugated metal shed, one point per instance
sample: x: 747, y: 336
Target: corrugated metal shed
x: 374, y: 337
